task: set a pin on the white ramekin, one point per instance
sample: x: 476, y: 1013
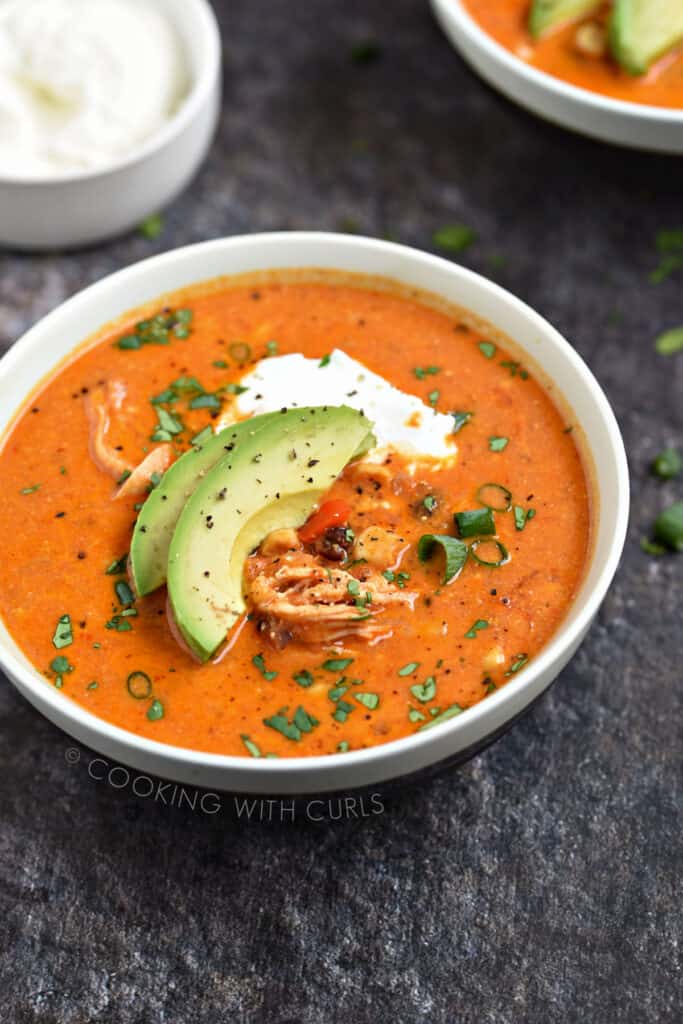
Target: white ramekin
x: 90, y: 206
x: 53, y: 338
x: 626, y: 124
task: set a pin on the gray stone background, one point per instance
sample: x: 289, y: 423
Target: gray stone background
x: 539, y: 883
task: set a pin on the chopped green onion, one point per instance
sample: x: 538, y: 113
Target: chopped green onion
x: 156, y: 711
x: 502, y: 551
x: 168, y: 423
x: 117, y: 567
x: 495, y: 497
x: 475, y: 523
x: 522, y: 516
x: 518, y: 662
x: 123, y: 592
x: 454, y: 550
x: 139, y: 685
x: 251, y: 746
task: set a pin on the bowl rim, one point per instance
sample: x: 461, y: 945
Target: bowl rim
x: 199, y: 95
x: 567, y: 636
x: 455, y: 12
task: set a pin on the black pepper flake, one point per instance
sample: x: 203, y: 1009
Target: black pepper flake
x: 59, y: 515
x: 313, y: 462
x: 81, y: 555
x: 493, y: 592
x: 207, y: 573
x: 143, y: 529
x: 35, y: 409
x: 283, y: 409
x: 222, y: 494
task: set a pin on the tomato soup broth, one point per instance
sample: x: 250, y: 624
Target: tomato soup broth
x: 558, y: 54
x: 440, y: 647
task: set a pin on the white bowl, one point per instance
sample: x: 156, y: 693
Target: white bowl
x: 626, y: 124
x: 53, y: 338
x: 90, y: 206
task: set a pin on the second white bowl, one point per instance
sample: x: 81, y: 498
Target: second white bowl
x: 91, y: 206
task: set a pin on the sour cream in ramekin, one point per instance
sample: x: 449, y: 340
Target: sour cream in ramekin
x: 83, y: 83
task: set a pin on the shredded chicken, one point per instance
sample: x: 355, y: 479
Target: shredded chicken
x: 315, y: 604
x: 98, y: 404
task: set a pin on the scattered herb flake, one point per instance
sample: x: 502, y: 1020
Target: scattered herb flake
x: 424, y: 692
x: 155, y: 711
x: 518, y: 662
x: 124, y: 593
x: 668, y: 464
x: 408, y: 669
x: 460, y: 419
x: 325, y: 360
x: 498, y: 444
x: 30, y: 490
x: 152, y: 227
x: 368, y: 700
x: 475, y: 628
x: 443, y: 716
x: 455, y: 551
x: 337, y: 664
x: 487, y: 348
x: 454, y: 237
x: 303, y: 678
x: 260, y: 664
x: 670, y: 342
x: 251, y: 746
x: 63, y: 635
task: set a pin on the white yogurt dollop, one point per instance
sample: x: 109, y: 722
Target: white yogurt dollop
x: 83, y: 82
x: 401, y: 421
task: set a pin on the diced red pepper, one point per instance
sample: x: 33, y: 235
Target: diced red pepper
x: 330, y: 513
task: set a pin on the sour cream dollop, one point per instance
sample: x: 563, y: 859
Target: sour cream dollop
x: 83, y: 82
x: 401, y: 421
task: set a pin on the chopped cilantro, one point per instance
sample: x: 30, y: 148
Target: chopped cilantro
x: 325, y: 360
x: 337, y: 664
x: 498, y: 444
x: 407, y: 670
x: 251, y: 746
x: 460, y: 419
x: 518, y: 662
x: 260, y: 664
x: 443, y: 716
x: 303, y: 678
x: 63, y: 635
x: 426, y: 691
x: 30, y: 490
x: 487, y: 348
x: 368, y: 700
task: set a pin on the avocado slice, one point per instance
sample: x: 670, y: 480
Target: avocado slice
x: 271, y: 481
x: 548, y: 14
x: 160, y: 513
x: 641, y: 31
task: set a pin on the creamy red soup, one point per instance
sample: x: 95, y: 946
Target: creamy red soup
x: 289, y: 517
x: 578, y: 50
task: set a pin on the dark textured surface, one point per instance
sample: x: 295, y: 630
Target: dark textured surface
x: 539, y: 883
